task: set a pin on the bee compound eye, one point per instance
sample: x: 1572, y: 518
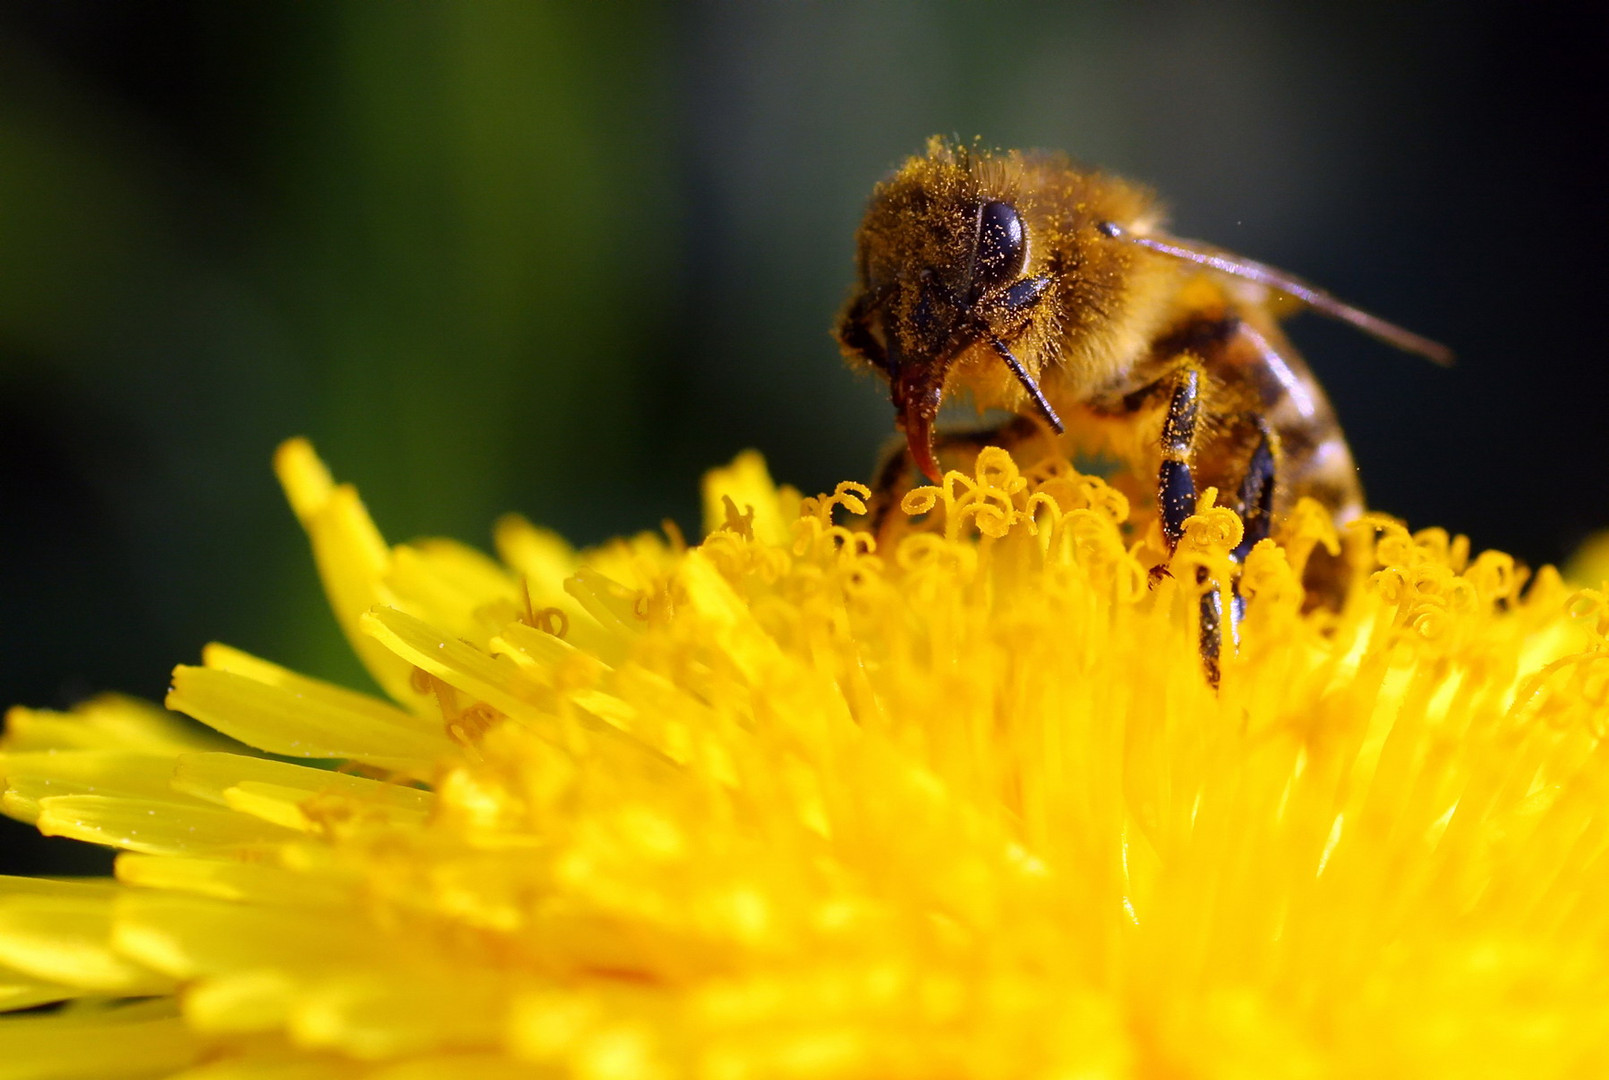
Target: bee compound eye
x: 1002, y: 244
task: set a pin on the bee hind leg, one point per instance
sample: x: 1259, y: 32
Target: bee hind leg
x: 1256, y: 514
x: 1257, y: 495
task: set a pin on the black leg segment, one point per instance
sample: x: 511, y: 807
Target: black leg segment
x: 1176, y: 488
x: 1257, y: 496
x: 1211, y: 635
x: 1176, y: 501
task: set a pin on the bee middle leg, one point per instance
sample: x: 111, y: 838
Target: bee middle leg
x: 1176, y: 502
x: 1176, y: 485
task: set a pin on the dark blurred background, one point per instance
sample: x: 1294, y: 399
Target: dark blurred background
x: 561, y: 259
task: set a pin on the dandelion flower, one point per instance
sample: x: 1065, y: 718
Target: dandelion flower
x: 792, y: 804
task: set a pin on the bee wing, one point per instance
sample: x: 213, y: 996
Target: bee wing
x: 1314, y: 297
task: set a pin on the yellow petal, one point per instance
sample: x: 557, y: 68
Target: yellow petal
x: 246, y: 1001
x: 69, y: 888
x: 191, y: 936
x: 19, y: 991
x: 69, y: 940
x: 233, y: 879
x: 540, y: 556
x: 451, y: 585
x: 495, y: 680
x: 153, y: 826
x: 461, y: 1066
x: 108, y: 722
x: 547, y: 657
x: 275, y: 710
x: 375, y: 1018
x: 283, y: 1065
x: 297, y: 795
x: 113, y: 773
x: 112, y: 1042
x: 352, y: 556
x: 1589, y: 566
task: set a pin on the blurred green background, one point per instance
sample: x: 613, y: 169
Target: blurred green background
x: 561, y: 259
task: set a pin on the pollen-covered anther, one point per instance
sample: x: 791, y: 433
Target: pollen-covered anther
x: 817, y: 531
x: 1591, y: 607
x: 421, y: 681
x: 1202, y: 556
x: 472, y: 724
x: 1311, y: 525
x: 657, y: 604
x: 465, y: 725
x: 552, y: 621
x: 1268, y: 577
x: 993, y: 500
x: 337, y: 817
x: 549, y: 620
x: 1212, y: 531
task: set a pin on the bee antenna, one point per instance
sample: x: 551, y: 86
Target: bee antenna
x: 1314, y: 297
x: 1028, y: 384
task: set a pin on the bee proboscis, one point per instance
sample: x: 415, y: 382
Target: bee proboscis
x: 1052, y: 292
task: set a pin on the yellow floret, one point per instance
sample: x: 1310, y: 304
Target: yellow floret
x: 800, y: 802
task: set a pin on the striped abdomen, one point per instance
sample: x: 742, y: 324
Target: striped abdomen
x: 1311, y: 454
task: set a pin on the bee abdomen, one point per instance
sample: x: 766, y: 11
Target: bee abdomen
x: 1313, y: 459
x: 1317, y: 464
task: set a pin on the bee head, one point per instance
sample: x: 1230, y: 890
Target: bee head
x: 944, y: 255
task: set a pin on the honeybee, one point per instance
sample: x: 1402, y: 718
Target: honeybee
x: 1053, y: 293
